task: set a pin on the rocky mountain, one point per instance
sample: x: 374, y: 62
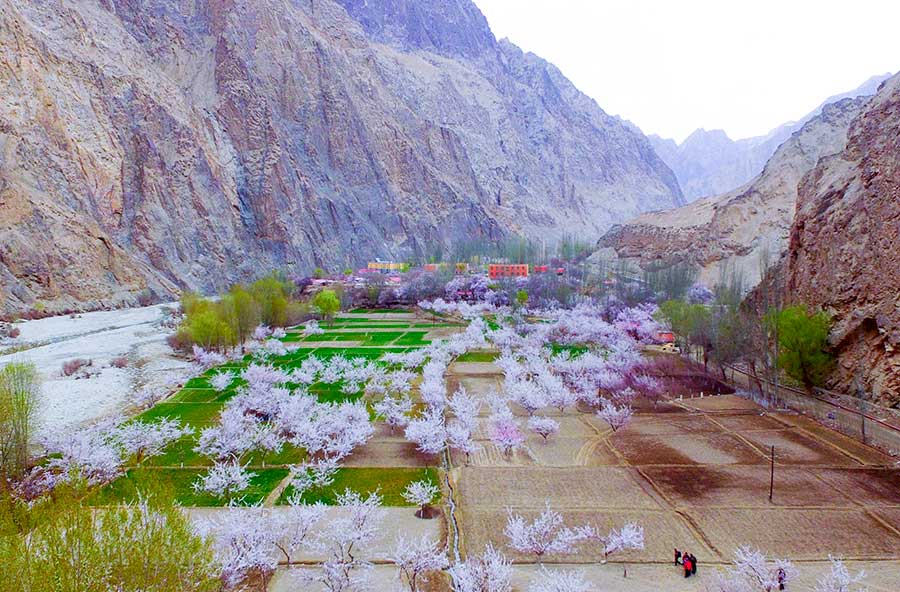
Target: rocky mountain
x: 150, y: 143
x: 844, y: 251
x: 731, y: 231
x: 710, y: 163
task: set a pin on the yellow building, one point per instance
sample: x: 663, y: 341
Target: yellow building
x: 387, y: 266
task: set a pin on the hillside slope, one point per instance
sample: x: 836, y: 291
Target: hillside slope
x: 844, y: 253
x: 145, y: 143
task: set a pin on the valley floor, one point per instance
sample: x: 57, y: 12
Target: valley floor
x: 693, y: 472
x: 135, y: 334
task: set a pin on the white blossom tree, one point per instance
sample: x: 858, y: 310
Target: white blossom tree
x: 421, y: 494
x: 461, y: 439
x: 225, y: 479
x: 543, y: 426
x: 546, y: 534
x: 344, y: 570
x: 417, y: 558
x: 222, y: 380
x: 250, y: 541
x: 143, y: 440
x: 839, y: 579
x: 629, y: 537
x: 428, y: 432
x: 555, y: 580
x: 489, y: 572
x: 394, y: 410
x: 753, y: 571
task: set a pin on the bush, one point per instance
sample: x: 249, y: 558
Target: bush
x: 146, y: 297
x: 14, y: 332
x: 19, y: 386
x: 181, y: 340
x: 72, y: 366
x: 119, y: 362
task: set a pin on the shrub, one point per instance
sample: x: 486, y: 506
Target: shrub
x: 181, y: 340
x: 59, y: 545
x: 19, y: 387
x: 119, y: 362
x: 72, y: 366
x: 14, y: 332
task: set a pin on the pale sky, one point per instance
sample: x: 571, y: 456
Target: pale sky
x: 671, y: 66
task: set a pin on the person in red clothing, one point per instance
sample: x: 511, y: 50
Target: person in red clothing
x: 687, y: 565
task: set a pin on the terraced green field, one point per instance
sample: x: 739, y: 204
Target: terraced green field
x: 388, y: 482
x: 198, y: 405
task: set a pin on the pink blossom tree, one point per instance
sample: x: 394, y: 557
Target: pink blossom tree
x: 505, y: 434
x: 616, y: 416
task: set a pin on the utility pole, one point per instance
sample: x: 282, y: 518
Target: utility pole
x: 772, y: 474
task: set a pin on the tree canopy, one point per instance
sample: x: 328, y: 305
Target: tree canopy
x: 803, y: 340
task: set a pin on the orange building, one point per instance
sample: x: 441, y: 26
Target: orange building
x: 499, y: 270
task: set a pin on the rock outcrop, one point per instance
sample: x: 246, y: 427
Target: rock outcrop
x: 710, y: 163
x: 844, y: 253
x: 730, y: 232
x: 152, y: 144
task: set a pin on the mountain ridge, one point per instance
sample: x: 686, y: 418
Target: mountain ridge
x: 148, y: 147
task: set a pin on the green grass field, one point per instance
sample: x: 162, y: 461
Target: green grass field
x: 179, y: 484
x: 198, y: 405
x: 389, y: 482
x: 192, y: 414
x: 478, y: 356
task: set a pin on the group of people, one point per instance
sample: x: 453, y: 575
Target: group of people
x: 688, y: 561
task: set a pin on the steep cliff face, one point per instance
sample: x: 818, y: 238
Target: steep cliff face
x: 192, y: 144
x: 731, y: 231
x: 844, y: 253
x: 710, y: 163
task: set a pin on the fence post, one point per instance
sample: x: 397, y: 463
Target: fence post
x: 772, y: 474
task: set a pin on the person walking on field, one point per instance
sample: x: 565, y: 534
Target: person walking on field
x: 781, y: 577
x: 686, y: 562
x: 693, y: 565
x: 677, y: 557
